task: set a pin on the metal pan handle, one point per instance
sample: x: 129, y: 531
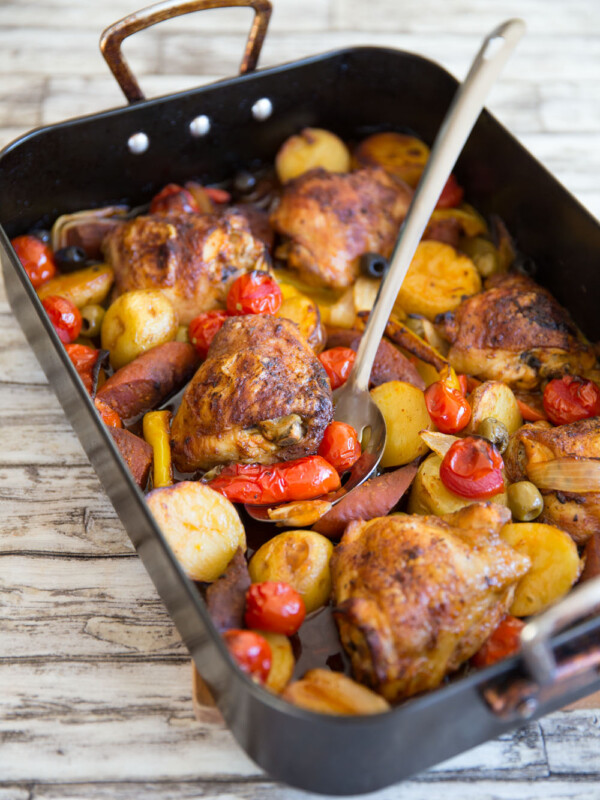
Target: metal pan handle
x: 113, y: 36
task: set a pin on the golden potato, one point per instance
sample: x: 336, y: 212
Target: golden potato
x: 405, y: 413
x: 312, y: 147
x: 494, y: 399
x: 399, y: 154
x: 300, y: 558
x: 428, y: 495
x: 282, y: 661
x: 136, y: 322
x: 470, y: 220
x: 201, y: 526
x: 84, y: 287
x: 305, y: 313
x: 555, y: 565
x: 438, y: 279
x: 333, y: 693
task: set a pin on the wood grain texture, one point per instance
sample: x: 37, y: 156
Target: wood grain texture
x: 95, y: 685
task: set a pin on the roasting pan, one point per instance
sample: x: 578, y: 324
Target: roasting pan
x: 127, y: 154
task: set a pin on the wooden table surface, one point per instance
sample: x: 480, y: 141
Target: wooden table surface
x: 95, y: 685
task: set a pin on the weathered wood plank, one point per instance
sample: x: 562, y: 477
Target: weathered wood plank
x: 18, y: 363
x: 572, y: 741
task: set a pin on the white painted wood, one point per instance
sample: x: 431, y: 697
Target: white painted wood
x: 95, y: 689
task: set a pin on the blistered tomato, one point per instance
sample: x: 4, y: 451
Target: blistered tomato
x: 452, y: 194
x: 447, y: 407
x: 65, y: 317
x: 340, y: 446
x: 274, y: 606
x: 84, y: 360
x: 570, y: 398
x: 36, y: 257
x: 505, y: 641
x: 203, y: 329
x: 251, y: 651
x: 338, y: 362
x: 254, y: 292
x: 173, y: 199
x: 472, y: 468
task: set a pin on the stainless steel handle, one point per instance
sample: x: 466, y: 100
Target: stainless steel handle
x: 113, y: 36
x: 454, y: 131
x: 536, y: 646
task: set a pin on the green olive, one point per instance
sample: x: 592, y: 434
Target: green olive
x: 182, y: 334
x: 495, y: 432
x: 483, y: 254
x: 92, y: 317
x: 525, y: 501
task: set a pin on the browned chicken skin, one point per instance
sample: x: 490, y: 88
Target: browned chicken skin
x: 331, y: 219
x: 417, y: 596
x: 192, y: 258
x: 515, y: 332
x: 577, y: 514
x: 261, y: 396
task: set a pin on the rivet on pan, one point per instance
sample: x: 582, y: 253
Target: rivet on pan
x: 262, y: 109
x: 138, y: 143
x: 200, y: 125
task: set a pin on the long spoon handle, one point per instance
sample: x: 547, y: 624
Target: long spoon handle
x: 454, y: 132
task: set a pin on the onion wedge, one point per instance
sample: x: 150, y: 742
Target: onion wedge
x: 440, y: 443
x: 566, y: 474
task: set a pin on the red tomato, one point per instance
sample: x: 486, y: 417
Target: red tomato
x: 340, y: 446
x: 452, y: 194
x: 274, y: 606
x: 338, y: 363
x: 251, y: 651
x: 464, y: 383
x: 472, y: 383
x: 472, y: 468
x: 505, y: 641
x: 64, y: 316
x: 109, y: 415
x: 203, y: 329
x: 302, y: 479
x: 84, y: 359
x: 217, y: 195
x: 254, y: 292
x: 36, y: 257
x: 448, y: 408
x: 529, y: 412
x: 173, y: 199
x: 570, y: 398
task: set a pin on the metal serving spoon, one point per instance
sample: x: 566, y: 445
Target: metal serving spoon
x: 353, y: 403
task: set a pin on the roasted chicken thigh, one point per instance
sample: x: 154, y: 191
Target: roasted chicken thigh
x: 261, y: 396
x: 331, y: 219
x: 192, y: 258
x: 417, y: 596
x: 515, y: 332
x: 577, y: 514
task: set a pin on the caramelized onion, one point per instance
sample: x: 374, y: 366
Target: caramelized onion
x: 440, y: 443
x: 566, y: 474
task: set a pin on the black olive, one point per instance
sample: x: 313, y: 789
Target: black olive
x: 244, y: 182
x: 69, y: 259
x: 42, y: 234
x: 373, y: 265
x: 525, y: 265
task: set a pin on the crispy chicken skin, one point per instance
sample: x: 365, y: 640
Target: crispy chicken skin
x: 417, y: 596
x: 193, y: 258
x: 515, y: 332
x: 331, y: 219
x: 261, y: 396
x: 577, y: 514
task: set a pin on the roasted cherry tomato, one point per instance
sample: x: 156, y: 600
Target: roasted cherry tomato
x: 203, y: 329
x: 448, y: 408
x: 65, y: 317
x: 505, y: 641
x: 529, y: 412
x: 472, y: 468
x: 274, y: 606
x: 173, y: 199
x: 84, y: 360
x: 338, y: 363
x: 36, y: 257
x: 254, y: 292
x: 464, y: 383
x: 452, y: 194
x: 108, y: 414
x: 570, y: 398
x: 219, y: 196
x: 340, y: 446
x: 302, y: 479
x: 251, y: 651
